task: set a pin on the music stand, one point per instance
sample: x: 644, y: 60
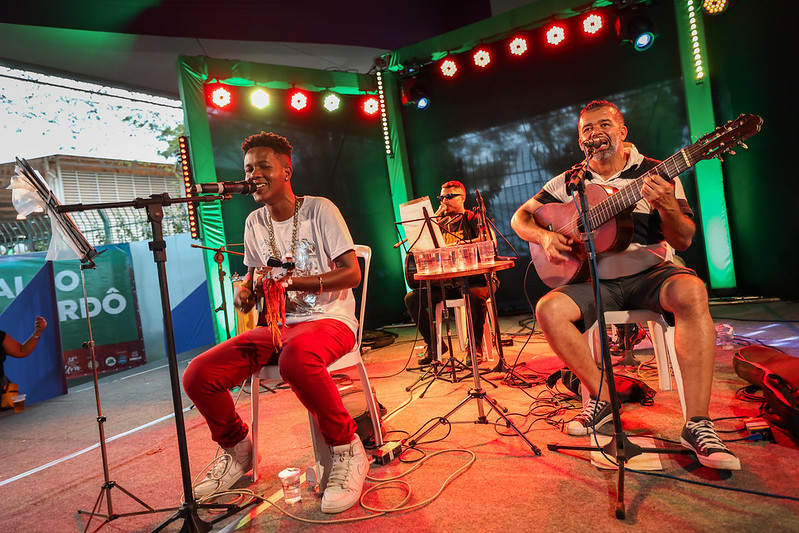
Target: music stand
x: 477, y: 393
x: 155, y: 214
x: 620, y: 447
x: 427, y: 234
x: 33, y: 194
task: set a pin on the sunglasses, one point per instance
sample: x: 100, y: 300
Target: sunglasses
x: 448, y: 196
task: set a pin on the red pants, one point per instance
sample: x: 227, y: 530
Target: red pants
x: 308, y: 348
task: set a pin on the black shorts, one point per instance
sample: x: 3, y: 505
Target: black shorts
x: 638, y: 291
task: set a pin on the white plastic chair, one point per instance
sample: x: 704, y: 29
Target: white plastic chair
x: 459, y: 310
x: 662, y: 336
x: 353, y: 358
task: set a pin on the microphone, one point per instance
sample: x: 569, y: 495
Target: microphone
x: 594, y: 142
x: 225, y: 187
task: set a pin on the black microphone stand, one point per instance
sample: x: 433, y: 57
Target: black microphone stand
x: 219, y: 257
x: 155, y: 213
x: 483, y: 223
x: 620, y: 447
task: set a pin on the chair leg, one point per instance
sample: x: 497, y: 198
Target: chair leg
x: 460, y: 324
x: 656, y: 331
x: 371, y: 404
x: 675, y: 366
x: 488, y: 337
x: 439, y: 314
x: 322, y: 457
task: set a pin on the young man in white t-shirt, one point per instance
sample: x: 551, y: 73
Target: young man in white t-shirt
x: 320, y: 324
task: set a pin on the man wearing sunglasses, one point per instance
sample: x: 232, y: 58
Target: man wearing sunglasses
x: 458, y: 225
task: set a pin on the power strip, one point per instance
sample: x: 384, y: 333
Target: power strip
x: 387, y: 452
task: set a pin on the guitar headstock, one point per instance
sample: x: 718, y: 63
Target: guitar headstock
x: 724, y: 138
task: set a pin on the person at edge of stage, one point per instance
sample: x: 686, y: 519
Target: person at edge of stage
x: 320, y: 324
x: 637, y: 277
x: 459, y: 225
x: 12, y: 347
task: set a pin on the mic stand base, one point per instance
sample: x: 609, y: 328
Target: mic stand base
x: 622, y: 449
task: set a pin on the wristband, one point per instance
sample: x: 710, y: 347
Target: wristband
x: 321, y: 286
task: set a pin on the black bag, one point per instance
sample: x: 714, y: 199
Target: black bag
x: 630, y: 390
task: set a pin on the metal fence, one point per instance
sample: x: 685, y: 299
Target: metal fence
x: 102, y: 226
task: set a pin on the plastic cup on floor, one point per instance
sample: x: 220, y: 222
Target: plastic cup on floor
x: 290, y: 478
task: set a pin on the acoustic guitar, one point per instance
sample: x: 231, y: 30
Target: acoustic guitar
x: 610, y: 212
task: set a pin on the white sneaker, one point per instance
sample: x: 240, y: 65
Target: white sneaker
x: 347, y: 474
x: 226, y: 470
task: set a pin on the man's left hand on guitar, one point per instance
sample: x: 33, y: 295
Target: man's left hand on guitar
x: 659, y: 193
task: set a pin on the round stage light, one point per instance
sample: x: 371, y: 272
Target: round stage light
x: 715, y: 7
x: 643, y: 41
x: 482, y: 57
x: 332, y: 102
x: 221, y: 97
x: 592, y: 23
x: 448, y: 68
x: 259, y: 98
x: 518, y: 46
x: 298, y: 100
x: 371, y: 105
x: 556, y: 35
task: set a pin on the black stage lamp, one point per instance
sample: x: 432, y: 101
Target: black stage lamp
x: 634, y: 26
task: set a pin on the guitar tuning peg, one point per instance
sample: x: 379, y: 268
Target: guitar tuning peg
x: 744, y: 146
x: 732, y: 152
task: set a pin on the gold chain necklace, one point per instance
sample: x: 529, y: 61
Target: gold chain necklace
x: 271, y: 229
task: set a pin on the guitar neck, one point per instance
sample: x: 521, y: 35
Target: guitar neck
x: 631, y: 194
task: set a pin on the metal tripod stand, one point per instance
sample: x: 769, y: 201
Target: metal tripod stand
x: 477, y: 393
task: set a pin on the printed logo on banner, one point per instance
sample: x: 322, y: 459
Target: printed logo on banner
x: 110, y: 303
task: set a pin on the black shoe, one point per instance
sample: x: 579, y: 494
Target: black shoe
x: 469, y: 358
x: 429, y: 355
x: 700, y: 436
x: 595, y: 414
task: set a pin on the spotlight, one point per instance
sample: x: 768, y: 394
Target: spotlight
x: 635, y: 27
x: 415, y: 94
x: 715, y: 7
x: 259, y: 98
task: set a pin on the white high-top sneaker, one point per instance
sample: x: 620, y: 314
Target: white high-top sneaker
x: 347, y: 474
x: 227, y: 470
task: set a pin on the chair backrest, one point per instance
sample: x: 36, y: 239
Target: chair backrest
x: 365, y: 253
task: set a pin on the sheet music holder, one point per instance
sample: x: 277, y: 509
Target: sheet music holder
x: 34, y: 194
x: 414, y: 222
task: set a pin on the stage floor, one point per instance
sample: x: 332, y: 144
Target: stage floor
x: 486, y: 478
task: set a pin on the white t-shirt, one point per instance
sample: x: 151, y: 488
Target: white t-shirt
x: 322, y: 236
